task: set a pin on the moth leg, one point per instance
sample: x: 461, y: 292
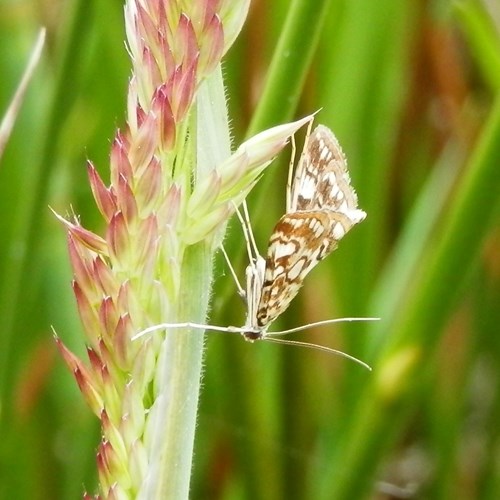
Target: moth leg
x: 241, y: 292
x: 246, y: 226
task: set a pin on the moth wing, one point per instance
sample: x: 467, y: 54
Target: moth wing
x: 299, y: 241
x: 321, y: 180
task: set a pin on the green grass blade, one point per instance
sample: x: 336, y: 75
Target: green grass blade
x: 387, y: 398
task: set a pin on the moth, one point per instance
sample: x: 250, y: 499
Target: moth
x: 321, y: 208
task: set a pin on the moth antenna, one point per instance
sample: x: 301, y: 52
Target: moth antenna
x: 319, y: 323
x: 322, y: 348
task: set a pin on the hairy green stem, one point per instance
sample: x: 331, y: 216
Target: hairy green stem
x: 180, y: 368
x: 180, y: 362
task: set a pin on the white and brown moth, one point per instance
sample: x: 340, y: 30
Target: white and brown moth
x: 321, y: 207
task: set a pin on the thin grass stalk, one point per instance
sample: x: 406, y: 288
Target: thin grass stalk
x: 483, y: 38
x: 488, y: 481
x: 362, y: 86
x: 17, y: 283
x: 446, y: 394
x: 402, y: 265
x: 290, y: 63
x: 487, y: 319
x: 286, y: 77
x: 460, y: 242
x: 362, y: 82
x: 387, y: 397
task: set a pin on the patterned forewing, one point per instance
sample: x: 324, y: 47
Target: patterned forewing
x: 299, y: 241
x: 321, y: 179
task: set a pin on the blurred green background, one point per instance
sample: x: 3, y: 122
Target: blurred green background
x: 411, y: 89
